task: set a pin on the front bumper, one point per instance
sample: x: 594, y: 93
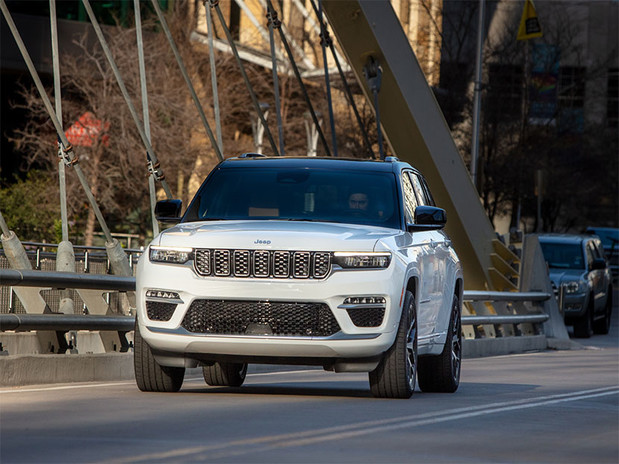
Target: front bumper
x: 173, y: 345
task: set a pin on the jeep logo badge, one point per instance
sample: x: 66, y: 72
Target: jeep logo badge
x: 262, y: 242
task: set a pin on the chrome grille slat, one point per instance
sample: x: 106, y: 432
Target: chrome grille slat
x: 262, y: 263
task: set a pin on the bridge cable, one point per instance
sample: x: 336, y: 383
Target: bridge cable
x: 254, y: 99
x: 58, y: 103
x: 154, y: 166
x: 145, y: 114
x: 183, y: 70
x: 324, y: 38
x: 347, y: 90
x: 68, y: 155
x: 275, y: 23
x: 373, y: 74
x: 302, y: 85
x: 211, y: 52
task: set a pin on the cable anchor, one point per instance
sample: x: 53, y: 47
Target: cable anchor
x: 273, y: 19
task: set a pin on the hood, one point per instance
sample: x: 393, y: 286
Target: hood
x: 558, y: 276
x: 274, y: 235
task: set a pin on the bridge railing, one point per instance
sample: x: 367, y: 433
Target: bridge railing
x: 497, y: 315
x: 89, y: 260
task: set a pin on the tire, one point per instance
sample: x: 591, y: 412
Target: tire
x: 225, y: 374
x: 583, y: 326
x: 150, y: 376
x: 396, y: 373
x: 442, y: 373
x: 602, y: 326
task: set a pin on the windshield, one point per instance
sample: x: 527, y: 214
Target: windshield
x: 297, y: 194
x: 563, y: 255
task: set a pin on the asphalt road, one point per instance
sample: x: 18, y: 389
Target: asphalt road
x: 553, y: 406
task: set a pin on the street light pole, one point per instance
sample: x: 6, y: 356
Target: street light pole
x: 477, y: 93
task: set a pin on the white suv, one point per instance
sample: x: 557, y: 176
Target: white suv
x: 332, y: 262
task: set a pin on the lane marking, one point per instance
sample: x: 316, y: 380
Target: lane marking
x: 326, y: 434
x: 132, y: 382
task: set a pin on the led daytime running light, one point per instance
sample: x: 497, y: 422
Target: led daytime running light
x: 362, y: 260
x: 170, y: 255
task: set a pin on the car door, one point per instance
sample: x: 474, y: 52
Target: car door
x: 598, y: 277
x: 419, y: 245
x: 442, y: 262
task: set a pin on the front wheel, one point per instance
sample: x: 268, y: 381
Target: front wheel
x: 396, y: 373
x: 602, y: 326
x: 225, y: 374
x: 442, y: 373
x: 149, y: 375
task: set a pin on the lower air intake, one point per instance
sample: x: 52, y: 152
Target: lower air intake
x: 260, y: 318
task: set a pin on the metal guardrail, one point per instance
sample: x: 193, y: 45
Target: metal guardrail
x: 65, y: 322
x: 29, y: 278
x: 12, y: 277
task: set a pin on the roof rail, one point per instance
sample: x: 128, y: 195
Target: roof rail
x: 252, y: 155
x: 392, y: 159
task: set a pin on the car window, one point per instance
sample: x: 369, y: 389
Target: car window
x: 589, y: 250
x: 421, y: 187
x: 297, y: 194
x: 410, y: 199
x: 563, y: 255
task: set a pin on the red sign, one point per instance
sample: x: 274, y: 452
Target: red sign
x: 87, y: 130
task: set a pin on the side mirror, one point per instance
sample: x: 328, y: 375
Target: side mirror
x: 598, y: 263
x: 428, y: 218
x: 168, y: 211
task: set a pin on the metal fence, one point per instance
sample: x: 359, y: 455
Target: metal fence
x: 88, y: 260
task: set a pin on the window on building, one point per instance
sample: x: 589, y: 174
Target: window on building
x: 612, y: 109
x: 571, y: 91
x: 504, y: 91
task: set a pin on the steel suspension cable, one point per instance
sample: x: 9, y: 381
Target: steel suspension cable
x: 297, y: 74
x: 183, y: 70
x: 275, y: 23
x: 145, y: 114
x: 373, y: 74
x: 254, y: 99
x: 155, y: 169
x: 324, y: 37
x: 211, y: 53
x: 347, y: 90
x: 68, y: 154
x: 62, y: 183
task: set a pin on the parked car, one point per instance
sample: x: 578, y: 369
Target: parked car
x: 332, y: 262
x: 582, y: 281
x: 610, y: 242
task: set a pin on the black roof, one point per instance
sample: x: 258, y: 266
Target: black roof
x: 356, y: 164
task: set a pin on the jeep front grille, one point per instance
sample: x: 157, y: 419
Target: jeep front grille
x: 262, y: 263
x: 236, y: 317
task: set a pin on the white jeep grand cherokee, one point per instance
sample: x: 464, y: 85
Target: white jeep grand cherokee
x: 332, y: 262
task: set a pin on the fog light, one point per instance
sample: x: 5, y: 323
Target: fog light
x: 365, y: 300
x: 165, y: 295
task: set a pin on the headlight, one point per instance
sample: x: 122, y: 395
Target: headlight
x: 170, y: 255
x: 573, y: 287
x: 368, y: 260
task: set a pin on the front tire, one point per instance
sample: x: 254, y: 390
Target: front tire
x: 442, y: 373
x: 602, y: 326
x: 396, y: 373
x: 225, y: 374
x: 150, y: 376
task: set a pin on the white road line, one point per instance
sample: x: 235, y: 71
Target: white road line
x: 240, y: 447
x: 132, y: 382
